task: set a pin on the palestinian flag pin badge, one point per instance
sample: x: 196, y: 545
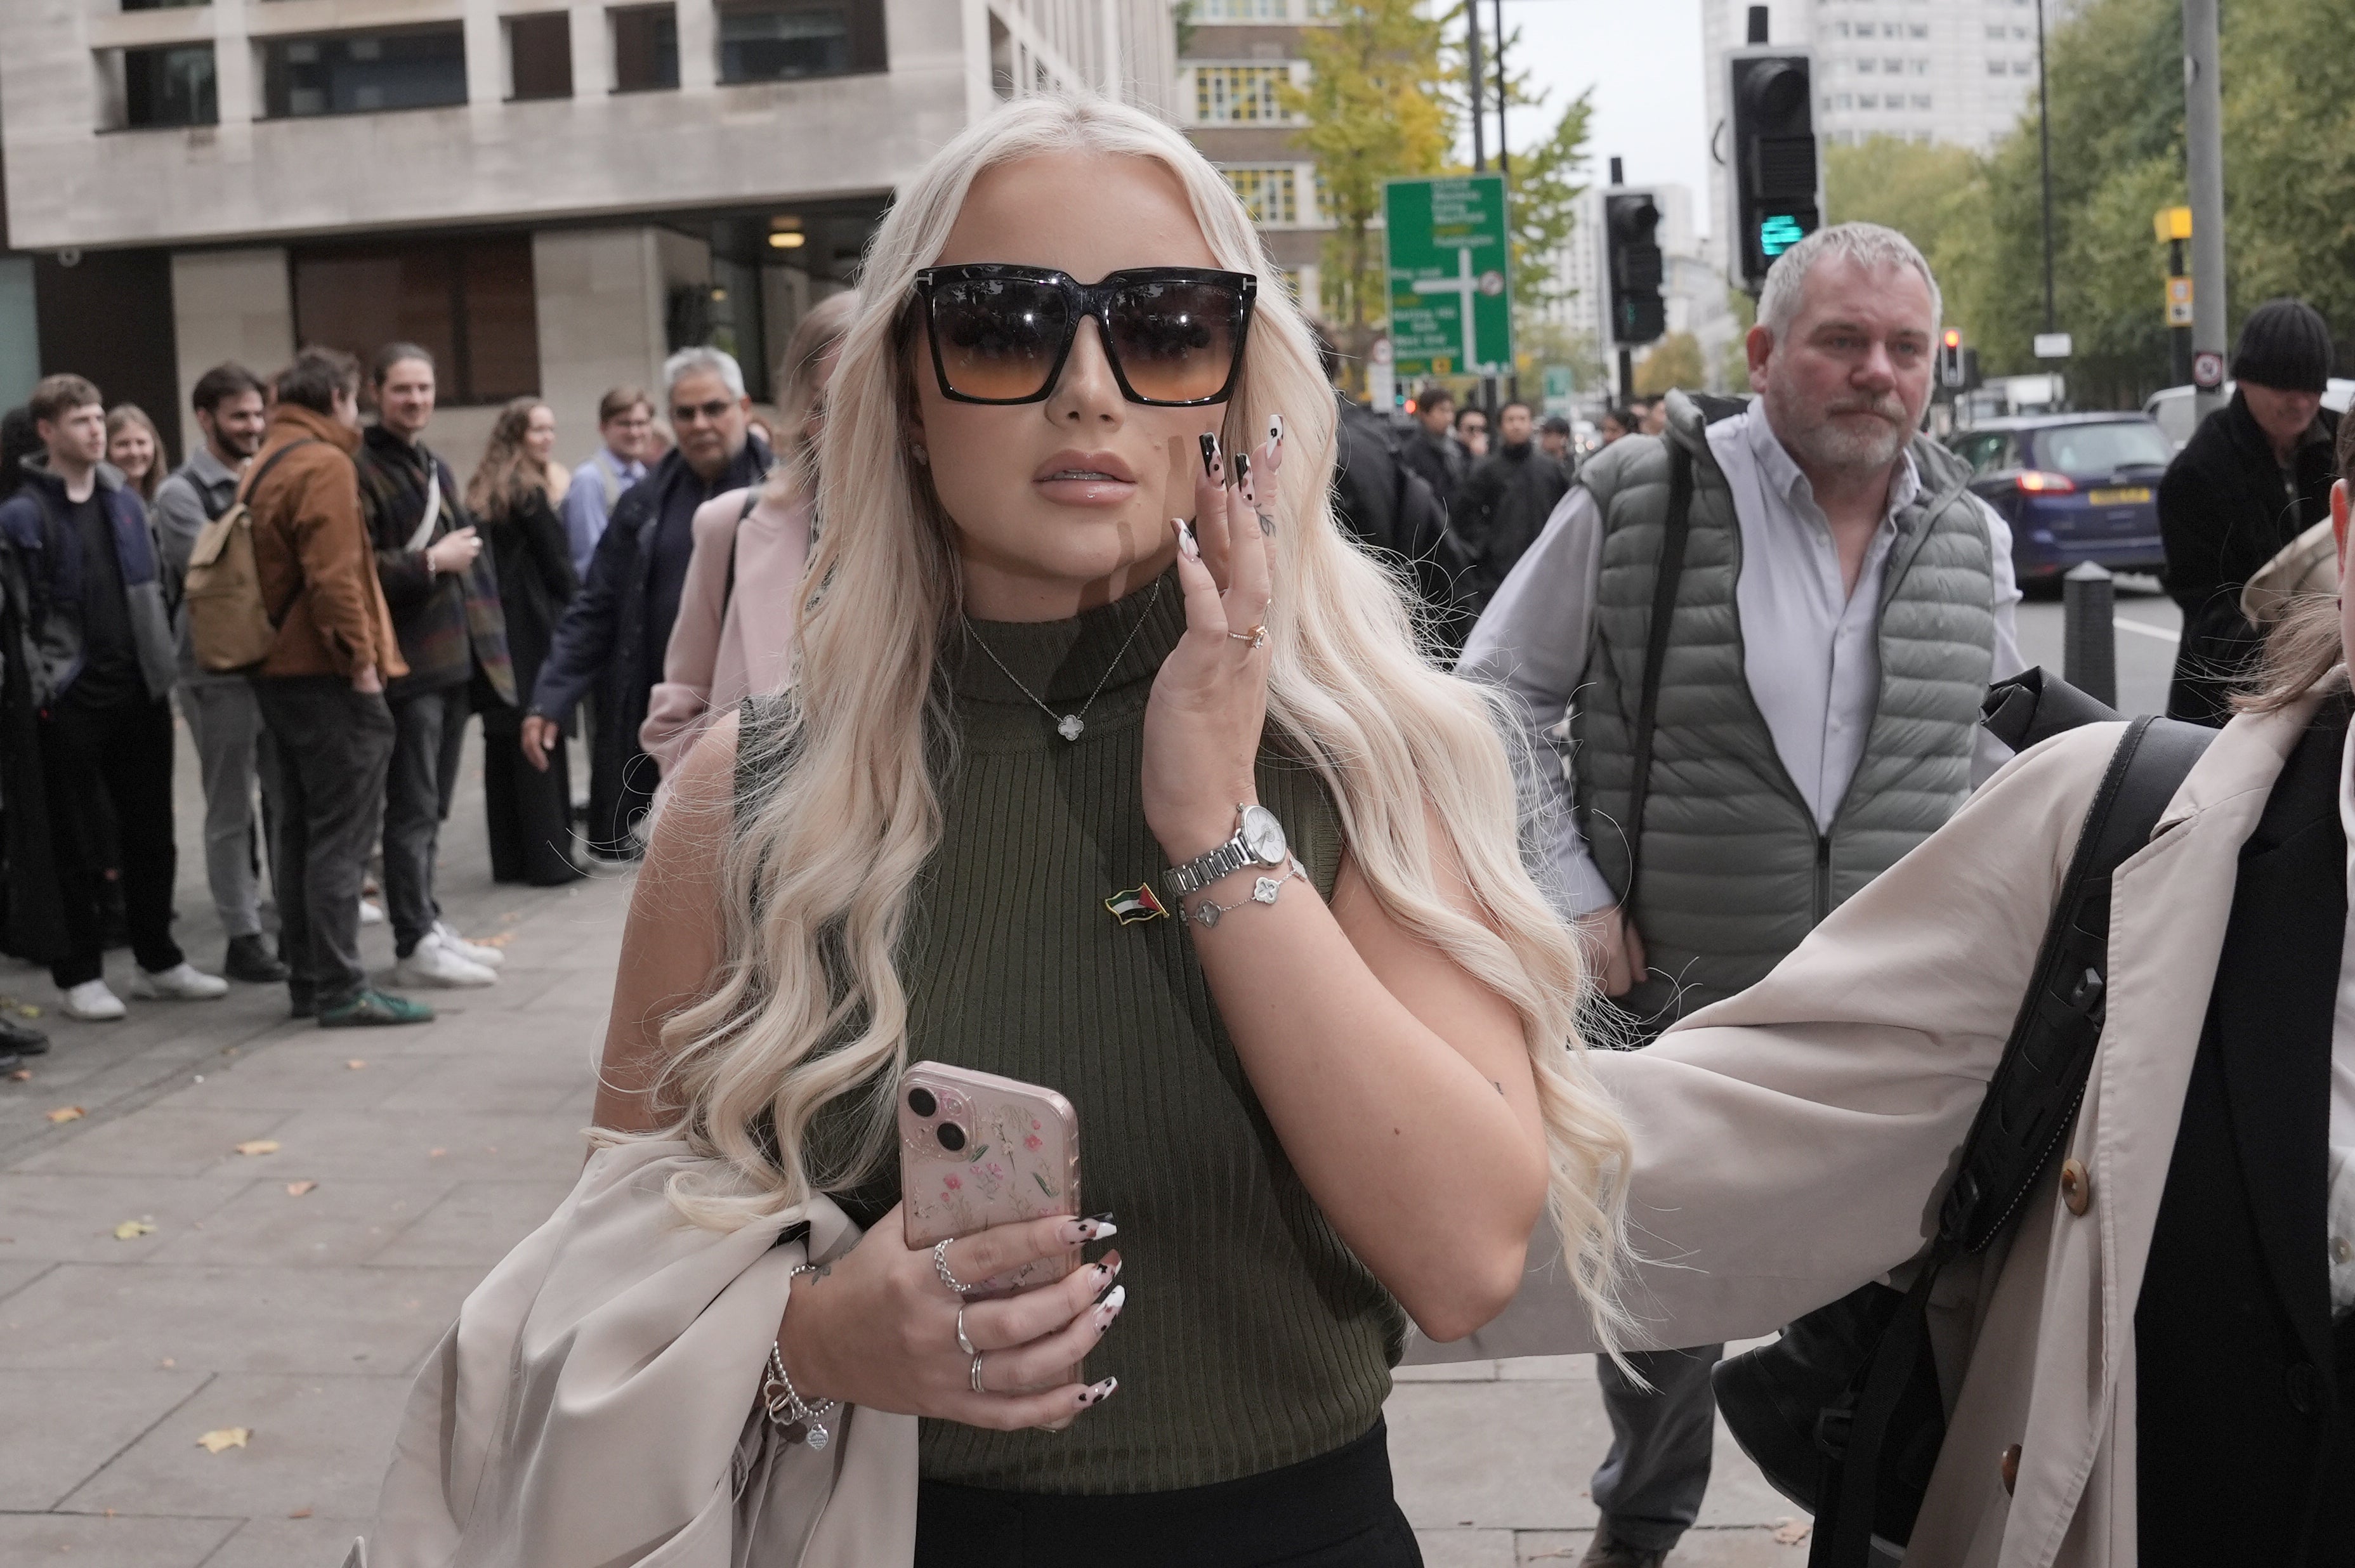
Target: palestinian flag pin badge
x: 1135, y: 904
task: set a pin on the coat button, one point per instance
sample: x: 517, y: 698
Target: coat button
x: 2076, y: 1186
x: 2302, y: 1385
x: 2011, y: 1468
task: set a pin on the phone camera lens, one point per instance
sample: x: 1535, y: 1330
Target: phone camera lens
x: 951, y: 1137
x: 921, y: 1101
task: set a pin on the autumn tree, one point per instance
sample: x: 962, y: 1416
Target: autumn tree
x: 1674, y: 361
x: 1378, y: 106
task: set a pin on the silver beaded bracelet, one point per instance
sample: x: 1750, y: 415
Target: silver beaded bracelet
x: 796, y: 1419
x: 1264, y: 891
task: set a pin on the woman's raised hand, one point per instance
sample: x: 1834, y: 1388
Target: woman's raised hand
x: 881, y: 1328
x: 1209, y: 705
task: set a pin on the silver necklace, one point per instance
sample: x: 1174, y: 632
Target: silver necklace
x: 1069, y: 725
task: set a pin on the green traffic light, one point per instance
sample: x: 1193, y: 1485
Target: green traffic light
x: 1778, y: 232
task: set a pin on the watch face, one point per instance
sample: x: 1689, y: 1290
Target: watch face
x: 1263, y: 835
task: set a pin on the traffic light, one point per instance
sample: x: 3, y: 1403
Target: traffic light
x: 1631, y: 223
x: 1778, y: 184
x: 1950, y: 359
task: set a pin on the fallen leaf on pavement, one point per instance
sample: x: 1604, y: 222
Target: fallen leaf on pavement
x: 222, y: 1437
x: 1790, y: 1532
x: 300, y: 1513
x: 355, y: 1064
x: 296, y: 1188
x: 258, y: 1146
x: 132, y: 1230
x: 435, y: 1153
x: 68, y: 1114
x: 22, y: 1076
x: 168, y: 1364
x: 499, y: 940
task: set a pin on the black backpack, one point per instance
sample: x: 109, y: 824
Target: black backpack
x: 1843, y: 1412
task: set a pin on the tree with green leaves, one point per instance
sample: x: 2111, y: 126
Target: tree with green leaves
x: 1543, y: 186
x: 1377, y: 107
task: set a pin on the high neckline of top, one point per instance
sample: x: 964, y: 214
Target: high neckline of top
x: 1060, y: 662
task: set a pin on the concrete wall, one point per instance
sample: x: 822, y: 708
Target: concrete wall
x: 231, y: 304
x: 601, y: 324
x: 702, y: 146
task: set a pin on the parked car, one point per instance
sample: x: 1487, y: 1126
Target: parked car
x: 2073, y: 487
x: 2172, y: 407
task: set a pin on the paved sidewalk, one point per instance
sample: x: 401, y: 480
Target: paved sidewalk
x: 292, y: 1292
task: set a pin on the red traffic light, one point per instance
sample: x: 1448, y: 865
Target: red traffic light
x: 1953, y: 338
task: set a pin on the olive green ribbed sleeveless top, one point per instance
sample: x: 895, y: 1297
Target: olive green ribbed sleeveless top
x: 1253, y: 1336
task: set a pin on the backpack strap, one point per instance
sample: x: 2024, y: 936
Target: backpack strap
x: 1674, y: 534
x: 2030, y: 1102
x: 245, y: 490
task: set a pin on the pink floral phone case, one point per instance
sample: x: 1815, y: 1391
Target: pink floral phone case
x: 977, y: 1150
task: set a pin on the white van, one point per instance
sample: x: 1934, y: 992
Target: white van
x: 2173, y: 408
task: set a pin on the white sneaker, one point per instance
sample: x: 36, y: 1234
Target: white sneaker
x: 371, y: 911
x: 183, y: 982
x: 472, y: 952
x: 434, y: 963
x: 92, y: 1003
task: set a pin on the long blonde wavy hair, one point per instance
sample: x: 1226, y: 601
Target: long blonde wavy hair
x: 808, y: 1006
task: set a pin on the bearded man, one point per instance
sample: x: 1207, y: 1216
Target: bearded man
x: 1769, y: 628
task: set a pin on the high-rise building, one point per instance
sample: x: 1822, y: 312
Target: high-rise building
x: 552, y: 195
x: 1232, y: 54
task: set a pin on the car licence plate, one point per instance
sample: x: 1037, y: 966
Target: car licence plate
x: 2134, y: 496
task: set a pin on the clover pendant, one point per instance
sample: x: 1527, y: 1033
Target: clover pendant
x: 1070, y: 727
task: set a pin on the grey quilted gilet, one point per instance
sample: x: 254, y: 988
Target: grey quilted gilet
x: 1734, y: 872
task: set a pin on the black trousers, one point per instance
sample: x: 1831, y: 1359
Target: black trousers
x: 1333, y: 1511
x: 96, y: 762
x: 528, y: 813
x: 331, y: 746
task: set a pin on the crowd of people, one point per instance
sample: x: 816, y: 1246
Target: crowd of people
x: 1304, y: 798
x: 398, y: 603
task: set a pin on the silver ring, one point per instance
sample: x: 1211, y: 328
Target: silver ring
x: 965, y: 1344
x: 940, y: 1267
x: 977, y: 1373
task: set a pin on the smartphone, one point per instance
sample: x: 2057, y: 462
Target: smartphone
x: 977, y: 1150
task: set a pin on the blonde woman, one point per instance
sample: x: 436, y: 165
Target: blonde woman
x: 736, y: 610
x: 1023, y: 695
x: 135, y: 446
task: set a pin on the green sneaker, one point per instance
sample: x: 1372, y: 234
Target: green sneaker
x: 372, y: 1009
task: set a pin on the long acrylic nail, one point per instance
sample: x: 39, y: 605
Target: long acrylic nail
x: 1096, y: 1394
x: 1188, y: 548
x: 1210, y: 465
x: 1242, y: 476
x: 1275, y: 430
x: 1080, y: 1230
x: 1106, y: 1273
x: 1109, y: 1308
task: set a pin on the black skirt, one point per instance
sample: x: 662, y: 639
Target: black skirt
x: 1332, y: 1511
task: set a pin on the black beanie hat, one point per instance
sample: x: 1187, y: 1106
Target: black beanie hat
x: 2284, y: 344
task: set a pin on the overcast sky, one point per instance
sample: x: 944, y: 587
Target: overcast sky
x: 1642, y: 59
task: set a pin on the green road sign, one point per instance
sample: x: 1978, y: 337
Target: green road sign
x: 1451, y: 299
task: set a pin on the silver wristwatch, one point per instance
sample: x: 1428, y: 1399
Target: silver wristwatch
x: 1258, y: 843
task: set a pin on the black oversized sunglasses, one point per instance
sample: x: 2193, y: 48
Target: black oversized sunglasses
x: 1000, y: 332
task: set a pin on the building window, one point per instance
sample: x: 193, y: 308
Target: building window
x: 784, y: 40
x: 539, y: 56
x: 1921, y: 100
x: 1868, y: 100
x: 1243, y: 10
x: 645, y: 48
x: 1267, y: 193
x: 1867, y: 68
x: 360, y: 73
x: 470, y: 302
x: 1238, y: 94
x: 169, y: 86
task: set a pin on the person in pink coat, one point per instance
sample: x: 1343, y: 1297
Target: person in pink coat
x: 734, y: 635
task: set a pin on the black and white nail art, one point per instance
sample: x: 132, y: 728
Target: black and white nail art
x: 1210, y: 465
x: 1242, y: 475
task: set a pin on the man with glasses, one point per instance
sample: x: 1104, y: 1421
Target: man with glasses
x: 612, y: 639
x: 626, y: 429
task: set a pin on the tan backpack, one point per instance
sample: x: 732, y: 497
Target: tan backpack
x: 228, y: 624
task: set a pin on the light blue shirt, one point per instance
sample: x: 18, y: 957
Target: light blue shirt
x: 1811, y: 649
x: 587, y: 506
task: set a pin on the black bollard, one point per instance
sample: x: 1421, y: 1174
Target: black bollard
x: 2089, y: 634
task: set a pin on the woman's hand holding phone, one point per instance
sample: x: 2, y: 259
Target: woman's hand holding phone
x: 881, y: 1328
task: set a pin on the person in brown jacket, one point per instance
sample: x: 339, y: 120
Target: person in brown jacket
x: 321, y: 686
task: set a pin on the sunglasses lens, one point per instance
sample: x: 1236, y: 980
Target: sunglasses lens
x: 999, y: 338
x: 1176, y: 341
